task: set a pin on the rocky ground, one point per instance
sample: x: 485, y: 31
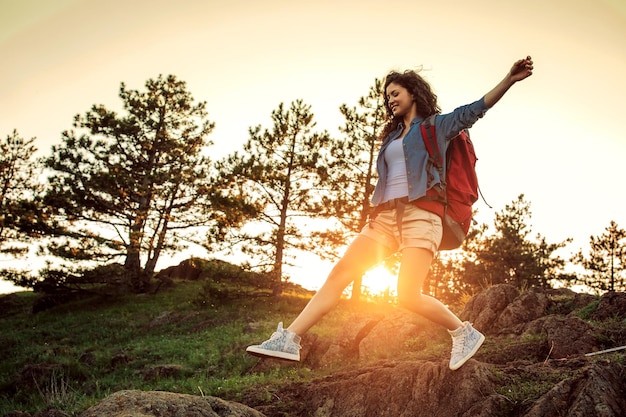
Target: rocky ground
x: 535, y: 362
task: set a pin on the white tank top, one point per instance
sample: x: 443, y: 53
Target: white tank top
x: 397, y: 185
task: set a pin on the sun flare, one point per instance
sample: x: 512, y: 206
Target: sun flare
x: 380, y: 281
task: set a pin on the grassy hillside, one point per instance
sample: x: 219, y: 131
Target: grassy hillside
x: 187, y: 338
x: 190, y: 337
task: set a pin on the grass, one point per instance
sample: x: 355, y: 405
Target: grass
x: 520, y: 388
x: 75, y: 354
x: 189, y: 338
x: 586, y: 312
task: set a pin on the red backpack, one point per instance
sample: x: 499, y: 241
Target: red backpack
x: 459, y: 185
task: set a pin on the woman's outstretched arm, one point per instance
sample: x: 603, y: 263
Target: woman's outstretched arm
x: 520, y: 70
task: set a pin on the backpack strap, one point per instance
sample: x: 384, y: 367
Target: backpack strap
x: 430, y: 141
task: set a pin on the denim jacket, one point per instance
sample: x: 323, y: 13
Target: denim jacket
x: 421, y: 174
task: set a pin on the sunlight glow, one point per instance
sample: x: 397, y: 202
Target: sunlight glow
x: 380, y: 282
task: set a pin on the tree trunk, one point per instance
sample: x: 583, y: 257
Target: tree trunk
x: 277, y: 271
x: 133, y: 275
x: 161, y: 232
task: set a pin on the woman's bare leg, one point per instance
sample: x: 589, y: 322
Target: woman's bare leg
x: 360, y: 256
x: 413, y: 271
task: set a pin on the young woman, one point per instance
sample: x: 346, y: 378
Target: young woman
x: 406, y: 221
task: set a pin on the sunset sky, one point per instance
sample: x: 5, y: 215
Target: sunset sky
x: 556, y: 137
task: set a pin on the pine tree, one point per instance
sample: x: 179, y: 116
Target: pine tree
x: 278, y: 174
x: 606, y: 260
x: 21, y: 217
x: 127, y: 185
x: 509, y: 256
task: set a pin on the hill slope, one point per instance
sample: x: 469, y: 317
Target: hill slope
x: 374, y: 359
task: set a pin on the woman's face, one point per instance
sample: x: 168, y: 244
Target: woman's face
x: 399, y: 99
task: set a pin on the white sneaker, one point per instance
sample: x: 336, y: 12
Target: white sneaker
x: 284, y: 344
x: 465, y: 343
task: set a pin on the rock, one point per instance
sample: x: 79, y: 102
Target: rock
x: 528, y: 306
x: 524, y: 333
x: 189, y: 269
x: 564, y: 301
x: 599, y: 391
x: 419, y: 388
x: 484, y: 309
x: 566, y: 336
x: 388, y: 337
x: 345, y: 346
x: 427, y: 388
x: 166, y: 404
x: 531, y: 365
x: 612, y: 305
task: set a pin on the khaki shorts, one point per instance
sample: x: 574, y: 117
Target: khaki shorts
x: 420, y: 229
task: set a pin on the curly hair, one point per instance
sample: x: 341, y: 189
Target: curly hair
x: 423, y: 95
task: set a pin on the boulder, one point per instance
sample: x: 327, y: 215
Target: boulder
x: 345, y: 346
x: 599, y: 390
x: 428, y: 388
x: 414, y: 388
x: 166, y: 404
x: 485, y: 308
x: 526, y: 307
x: 389, y: 336
x: 189, y: 269
x: 564, y: 301
x: 566, y: 336
x: 612, y: 306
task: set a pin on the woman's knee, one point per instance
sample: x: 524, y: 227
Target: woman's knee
x: 413, y: 302
x: 341, y: 275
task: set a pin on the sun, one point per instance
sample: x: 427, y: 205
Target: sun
x: 379, y: 281
x: 310, y: 272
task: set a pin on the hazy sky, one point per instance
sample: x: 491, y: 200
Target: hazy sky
x: 556, y: 137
